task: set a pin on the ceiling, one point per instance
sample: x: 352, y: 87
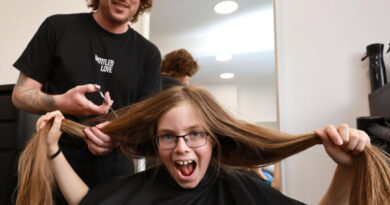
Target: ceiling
x: 248, y: 34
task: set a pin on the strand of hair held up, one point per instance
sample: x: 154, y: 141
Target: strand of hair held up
x: 237, y: 144
x: 36, y: 180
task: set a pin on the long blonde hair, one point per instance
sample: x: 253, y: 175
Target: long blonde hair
x: 238, y: 143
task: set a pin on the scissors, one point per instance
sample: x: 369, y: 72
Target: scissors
x: 105, y: 100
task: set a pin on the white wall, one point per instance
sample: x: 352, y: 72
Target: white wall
x: 20, y: 20
x: 258, y: 102
x: 321, y: 79
x: 253, y: 103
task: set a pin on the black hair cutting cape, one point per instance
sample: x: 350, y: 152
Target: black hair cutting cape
x: 151, y: 187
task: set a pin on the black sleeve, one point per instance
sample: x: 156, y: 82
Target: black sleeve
x: 37, y: 59
x: 151, y: 83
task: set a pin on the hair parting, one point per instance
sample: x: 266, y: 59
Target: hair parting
x: 238, y: 144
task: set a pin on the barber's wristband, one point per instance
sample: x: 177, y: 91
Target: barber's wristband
x: 55, y: 154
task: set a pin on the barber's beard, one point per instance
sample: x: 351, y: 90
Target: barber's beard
x: 109, y: 15
x: 118, y: 21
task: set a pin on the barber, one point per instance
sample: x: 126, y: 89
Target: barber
x: 70, y: 58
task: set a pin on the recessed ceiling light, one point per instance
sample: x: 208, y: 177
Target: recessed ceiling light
x: 223, y: 57
x: 225, y: 7
x: 227, y: 75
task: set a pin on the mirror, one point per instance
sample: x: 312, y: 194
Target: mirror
x: 247, y: 35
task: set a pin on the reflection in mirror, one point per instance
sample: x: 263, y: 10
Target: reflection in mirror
x: 244, y: 38
x: 239, y: 44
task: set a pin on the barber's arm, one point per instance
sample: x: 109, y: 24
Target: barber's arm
x: 71, y: 185
x: 27, y: 95
x: 341, y: 144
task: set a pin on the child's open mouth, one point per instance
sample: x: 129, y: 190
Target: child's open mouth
x: 186, y: 167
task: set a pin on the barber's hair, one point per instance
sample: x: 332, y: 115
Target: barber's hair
x: 144, y: 5
x: 237, y: 144
x: 179, y: 63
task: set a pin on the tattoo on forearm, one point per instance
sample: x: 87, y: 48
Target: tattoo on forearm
x: 32, y: 100
x: 21, y: 80
x: 48, y: 101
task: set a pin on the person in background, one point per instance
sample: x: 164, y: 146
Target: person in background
x: 177, y: 68
x: 70, y: 59
x: 267, y: 177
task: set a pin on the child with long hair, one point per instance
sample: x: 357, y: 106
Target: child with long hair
x: 197, y: 145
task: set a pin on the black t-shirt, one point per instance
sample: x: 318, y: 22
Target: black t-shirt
x: 72, y: 49
x: 151, y: 187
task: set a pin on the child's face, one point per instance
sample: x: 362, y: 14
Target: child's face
x: 186, y: 165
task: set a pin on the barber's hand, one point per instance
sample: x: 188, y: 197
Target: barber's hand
x: 74, y: 101
x: 98, y: 142
x: 54, y: 133
x: 342, y: 143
